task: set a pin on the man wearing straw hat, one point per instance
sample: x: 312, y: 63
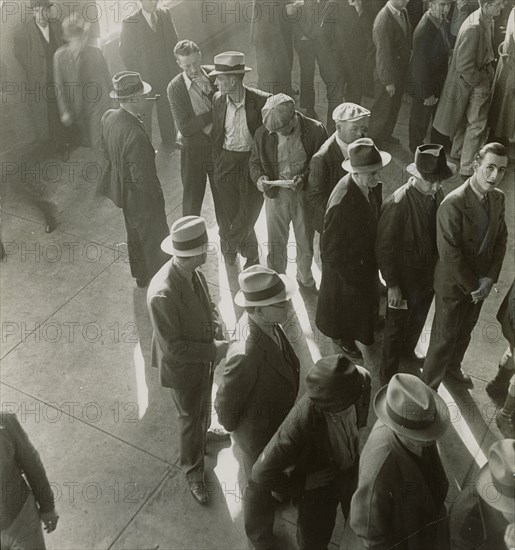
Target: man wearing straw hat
x: 187, y: 342
x: 406, y: 253
x: 479, y: 519
x: 130, y: 180
x: 348, y: 298
x: 261, y: 377
x: 400, y: 500
x: 236, y: 117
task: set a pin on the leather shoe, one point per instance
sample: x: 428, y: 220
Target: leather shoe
x: 199, y: 491
x: 350, y: 350
x: 250, y: 262
x: 459, y: 376
x: 51, y: 224
x: 141, y: 283
x: 218, y: 434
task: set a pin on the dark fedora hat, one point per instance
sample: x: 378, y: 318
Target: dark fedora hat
x: 128, y: 84
x: 334, y: 383
x: 365, y: 157
x: 431, y: 163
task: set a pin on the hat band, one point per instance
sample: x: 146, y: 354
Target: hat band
x: 191, y: 244
x: 129, y: 90
x: 259, y: 295
x: 505, y: 490
x: 224, y: 68
x: 410, y: 424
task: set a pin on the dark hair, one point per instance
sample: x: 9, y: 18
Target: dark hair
x: 494, y: 148
x: 185, y: 47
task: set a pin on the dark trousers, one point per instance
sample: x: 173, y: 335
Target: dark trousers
x: 420, y: 117
x: 454, y: 321
x: 144, y: 237
x: 194, y: 408
x: 385, y: 110
x: 403, y: 327
x: 241, y: 205
x: 196, y: 167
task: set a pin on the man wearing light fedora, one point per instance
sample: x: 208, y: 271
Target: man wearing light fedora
x: 400, y: 500
x: 187, y: 343
x: 326, y: 168
x: 406, y: 253
x: 236, y: 117
x: 314, y: 455
x: 479, y: 518
x: 279, y: 166
x: 261, y: 377
x: 348, y: 299
x: 131, y: 180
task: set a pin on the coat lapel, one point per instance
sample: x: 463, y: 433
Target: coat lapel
x: 494, y: 204
x: 473, y: 210
x: 187, y: 293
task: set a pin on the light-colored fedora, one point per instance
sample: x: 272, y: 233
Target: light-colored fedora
x: 410, y: 408
x: 127, y: 85
x: 188, y: 237
x: 365, y: 157
x: 431, y: 163
x: 496, y: 481
x: 261, y: 286
x: 230, y: 63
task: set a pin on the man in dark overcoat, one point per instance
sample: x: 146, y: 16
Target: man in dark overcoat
x: 187, y: 342
x: 131, y: 180
x: 147, y: 41
x: 236, y: 117
x: 348, y: 296
x: 471, y: 238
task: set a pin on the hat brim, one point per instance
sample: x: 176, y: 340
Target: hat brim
x: 486, y: 481
x: 444, y: 175
x: 289, y: 290
x: 385, y: 159
x: 147, y: 88
x: 431, y: 433
x: 236, y: 71
x: 167, y: 246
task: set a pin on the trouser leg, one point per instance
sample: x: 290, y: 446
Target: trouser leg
x: 332, y: 78
x: 307, y: 61
x: 196, y: 163
x: 392, y: 343
x: 420, y: 116
x: 468, y: 319
x: 379, y: 112
x: 304, y: 235
x: 26, y: 531
x: 258, y: 512
x: 278, y: 218
x: 164, y: 114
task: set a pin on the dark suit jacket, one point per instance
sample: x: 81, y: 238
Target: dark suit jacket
x: 393, y: 48
x: 130, y: 180
x: 470, y: 243
x: 186, y: 121
x: 258, y: 388
x: 184, y: 328
x: 325, y: 172
x: 138, y: 51
x: 393, y: 506
x: 254, y: 101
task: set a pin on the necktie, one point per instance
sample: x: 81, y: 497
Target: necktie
x: 197, y: 86
x: 484, y: 203
x: 404, y: 18
x: 372, y: 201
x: 153, y: 21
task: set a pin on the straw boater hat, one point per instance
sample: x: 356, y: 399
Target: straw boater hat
x: 365, y: 157
x: 496, y: 481
x: 230, y: 63
x: 188, y: 237
x: 128, y: 84
x: 350, y: 112
x: 431, y: 164
x: 261, y: 286
x: 410, y: 408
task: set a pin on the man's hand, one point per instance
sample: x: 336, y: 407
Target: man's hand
x: 297, y: 182
x: 485, y: 286
x: 66, y: 119
x: 319, y: 479
x: 261, y: 183
x: 394, y: 296
x: 270, y: 190
x: 49, y: 520
x: 430, y: 101
x: 221, y: 350
x: 390, y: 88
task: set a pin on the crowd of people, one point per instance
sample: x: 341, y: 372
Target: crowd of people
x: 263, y: 146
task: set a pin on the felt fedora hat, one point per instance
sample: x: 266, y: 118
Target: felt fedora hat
x: 496, y: 481
x: 127, y: 84
x: 350, y: 112
x: 230, y: 63
x: 431, y: 163
x: 188, y: 237
x: 410, y: 408
x: 334, y: 383
x: 365, y: 157
x: 261, y: 286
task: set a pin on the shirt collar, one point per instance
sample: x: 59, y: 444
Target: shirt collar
x: 480, y: 196
x: 182, y: 272
x: 187, y: 80
x: 240, y: 103
x: 393, y: 9
x: 44, y: 30
x: 147, y: 16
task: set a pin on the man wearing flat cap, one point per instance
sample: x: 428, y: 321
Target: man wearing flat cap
x: 482, y: 512
x: 326, y: 165
x: 279, y: 166
x: 348, y: 299
x: 131, y: 180
x: 314, y: 454
x: 236, y: 117
x: 406, y: 253
x: 260, y: 381
x: 187, y: 343
x: 400, y: 500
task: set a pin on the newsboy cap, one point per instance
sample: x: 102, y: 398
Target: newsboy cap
x: 349, y: 112
x: 277, y: 111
